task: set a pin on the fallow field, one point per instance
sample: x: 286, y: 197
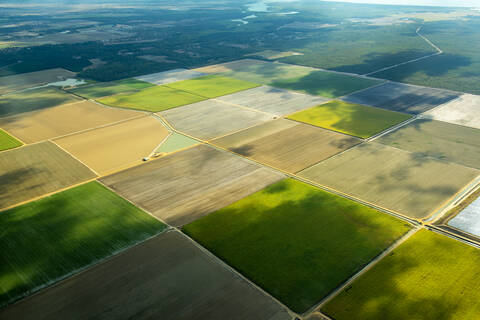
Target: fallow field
x: 186, y: 185
x: 296, y: 241
x: 462, y: 111
x: 28, y: 80
x: 429, y: 277
x: 48, y: 239
x: 407, y: 183
x: 353, y: 119
x: 287, y: 145
x: 36, y: 170
x: 166, y: 277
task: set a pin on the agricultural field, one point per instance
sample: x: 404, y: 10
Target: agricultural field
x: 7, y: 141
x: 212, y: 86
x: 287, y: 145
x: 35, y: 99
x: 48, y: 239
x: 212, y: 118
x: 175, y: 142
x: 408, y: 183
x: 273, y: 100
x: 441, y: 140
x: 296, y: 241
x: 430, y: 276
x: 153, y: 99
x: 176, y: 280
x: 170, y: 76
x: 402, y: 98
x: 118, y: 146
x: 186, y: 185
x: 98, y: 90
x: 462, y: 111
x: 353, y: 119
x: 62, y: 120
x: 465, y: 216
x: 28, y: 80
x: 36, y: 170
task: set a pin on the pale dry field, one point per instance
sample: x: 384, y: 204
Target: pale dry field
x: 231, y: 66
x: 32, y: 79
x: 464, y: 111
x: 408, y: 183
x: 35, y: 170
x: 170, y: 76
x: 286, y: 144
x: 166, y: 277
x: 212, y: 118
x: 272, y: 100
x: 187, y: 185
x: 118, y: 146
x: 62, y: 120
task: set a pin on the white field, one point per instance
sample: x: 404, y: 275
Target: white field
x: 469, y: 219
x: 463, y: 111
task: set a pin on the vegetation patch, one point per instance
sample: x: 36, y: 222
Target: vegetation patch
x: 154, y: 99
x: 212, y: 86
x: 48, y: 239
x: 98, y: 90
x: 7, y: 141
x: 296, y: 241
x: 353, y: 119
x: 418, y: 280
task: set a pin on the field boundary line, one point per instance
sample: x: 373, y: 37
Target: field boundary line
x: 439, y: 52
x: 383, y: 81
x: 393, y: 128
x: 47, y: 194
x: 77, y: 272
x: 452, y: 235
x: 237, y: 273
x: 13, y: 136
x: 323, y: 128
x: 366, y: 268
x: 74, y: 157
x: 444, y: 220
x: 245, y: 107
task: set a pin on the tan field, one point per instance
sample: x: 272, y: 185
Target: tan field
x: 286, y: 144
x: 409, y: 183
x: 118, y: 146
x: 35, y: 170
x: 166, y: 277
x: 58, y: 121
x: 187, y: 185
x: 32, y: 79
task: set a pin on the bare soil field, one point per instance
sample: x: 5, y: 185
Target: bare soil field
x: 402, y: 97
x: 32, y: 79
x: 272, y: 100
x: 442, y: 140
x: 212, y: 118
x: 170, y: 76
x: 286, y: 144
x: 118, y: 146
x: 187, y: 185
x: 36, y: 170
x: 166, y: 277
x: 58, y: 121
x: 462, y: 111
x: 35, y: 99
x: 408, y: 183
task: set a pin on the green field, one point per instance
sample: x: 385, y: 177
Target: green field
x: 176, y: 142
x: 154, y: 99
x: 212, y: 86
x: 99, y: 90
x: 296, y: 241
x: 48, y: 239
x: 326, y: 84
x: 430, y: 276
x: 353, y: 119
x: 7, y: 141
x: 36, y: 99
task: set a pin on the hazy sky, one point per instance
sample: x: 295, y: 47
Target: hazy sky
x: 449, y: 3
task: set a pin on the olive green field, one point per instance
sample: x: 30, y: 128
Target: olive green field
x: 98, y: 90
x: 429, y: 277
x: 353, y: 119
x: 296, y: 241
x: 7, y: 141
x: 51, y: 238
